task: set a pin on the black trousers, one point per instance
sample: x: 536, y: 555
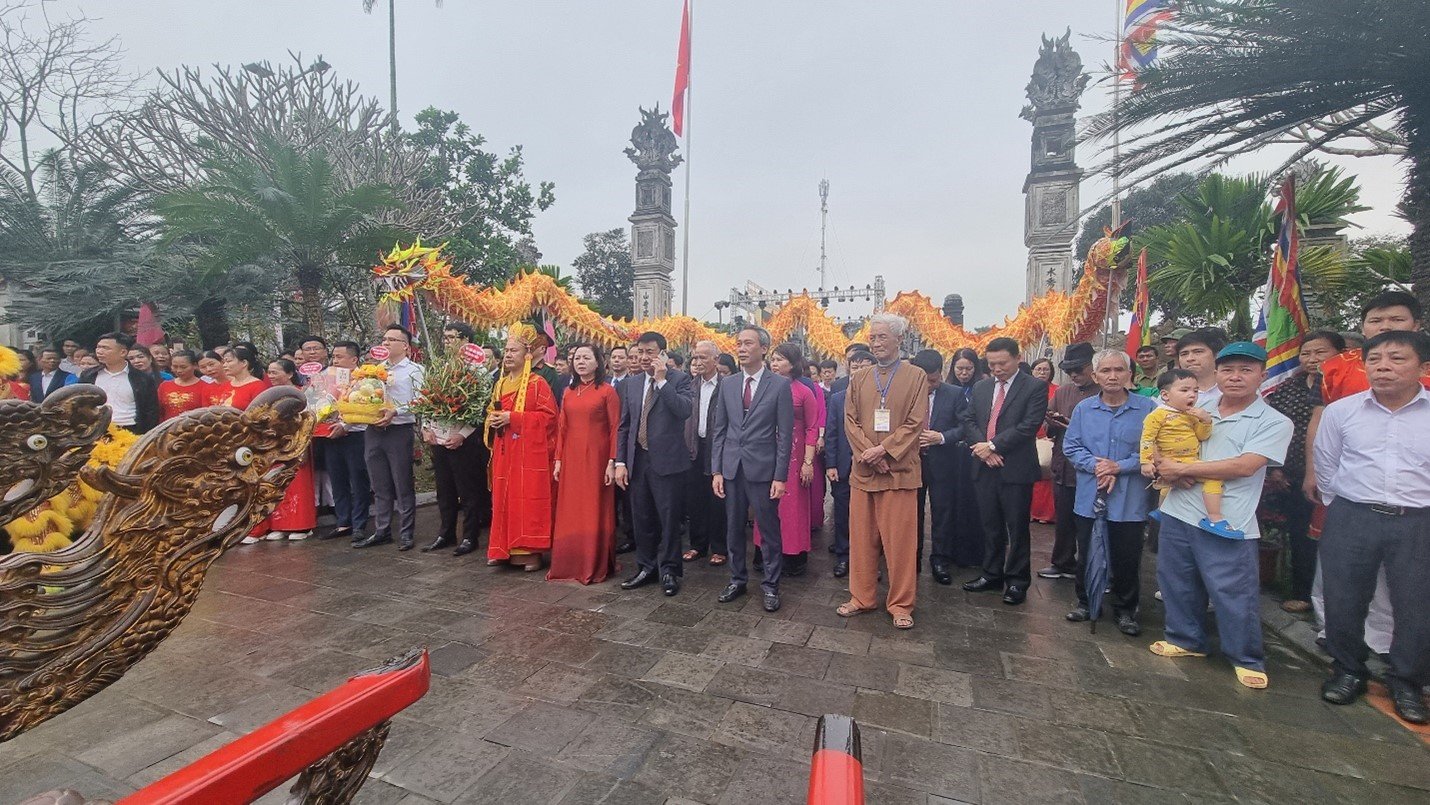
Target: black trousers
x: 941, y: 497
x: 1066, y: 543
x: 741, y: 495
x: 1297, y: 510
x: 1005, y: 510
x: 655, y: 513
x: 840, y: 492
x: 707, y: 514
x: 1355, y: 543
x: 461, y: 477
x: 1124, y: 554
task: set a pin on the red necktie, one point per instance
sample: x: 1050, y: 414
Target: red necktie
x: 997, y: 409
x: 749, y: 381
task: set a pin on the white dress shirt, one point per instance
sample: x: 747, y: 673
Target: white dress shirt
x: 754, y: 380
x: 404, y: 380
x: 1367, y: 453
x: 121, y: 395
x: 707, y: 395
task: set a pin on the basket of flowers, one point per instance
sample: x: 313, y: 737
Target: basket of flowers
x: 455, y: 392
x: 366, y: 395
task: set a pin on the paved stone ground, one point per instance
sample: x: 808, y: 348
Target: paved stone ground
x: 550, y: 692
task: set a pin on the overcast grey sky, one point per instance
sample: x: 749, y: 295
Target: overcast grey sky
x: 910, y: 109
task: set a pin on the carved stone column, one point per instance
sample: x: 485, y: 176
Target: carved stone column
x: 653, y: 149
x: 1051, y: 189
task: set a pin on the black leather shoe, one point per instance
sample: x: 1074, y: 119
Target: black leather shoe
x: 1343, y: 688
x: 439, y: 543
x: 982, y: 584
x: 1409, y: 703
x: 772, y: 604
x: 1079, y: 615
x: 375, y: 539
x: 336, y: 533
x: 1015, y: 595
x: 1128, y: 625
x: 464, y: 547
x: 670, y: 585
x: 405, y: 544
x: 640, y: 579
x: 940, y: 573
x: 841, y: 568
x: 625, y: 547
x: 730, y: 593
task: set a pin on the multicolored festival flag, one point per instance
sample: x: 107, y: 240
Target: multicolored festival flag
x: 1139, y: 330
x: 1139, y: 35
x: 682, y: 74
x: 1283, y: 321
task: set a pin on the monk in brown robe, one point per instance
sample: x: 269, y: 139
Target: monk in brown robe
x: 884, y: 413
x: 521, y: 430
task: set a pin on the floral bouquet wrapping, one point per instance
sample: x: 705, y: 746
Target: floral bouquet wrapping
x: 366, y: 396
x: 455, y: 394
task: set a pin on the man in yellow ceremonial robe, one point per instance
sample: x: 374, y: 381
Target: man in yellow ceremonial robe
x: 521, y: 429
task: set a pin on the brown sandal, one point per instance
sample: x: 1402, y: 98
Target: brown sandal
x: 903, y: 622
x: 691, y: 555
x: 848, y: 610
x: 717, y: 559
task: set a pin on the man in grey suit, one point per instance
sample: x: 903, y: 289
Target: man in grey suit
x: 754, y: 428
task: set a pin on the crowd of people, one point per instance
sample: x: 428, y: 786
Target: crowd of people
x: 670, y: 458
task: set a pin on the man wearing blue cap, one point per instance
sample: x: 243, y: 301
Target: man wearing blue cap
x: 1192, y: 564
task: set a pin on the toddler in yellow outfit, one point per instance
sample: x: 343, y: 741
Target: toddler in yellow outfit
x: 1176, y: 431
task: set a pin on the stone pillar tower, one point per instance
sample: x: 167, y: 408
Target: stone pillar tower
x: 653, y: 149
x: 1051, y: 188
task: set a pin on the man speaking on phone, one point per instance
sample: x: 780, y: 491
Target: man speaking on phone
x: 1077, y: 365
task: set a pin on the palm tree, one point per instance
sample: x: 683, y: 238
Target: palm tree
x: 293, y: 214
x: 1237, y: 75
x: 72, y: 243
x: 1213, y: 258
x: 367, y: 6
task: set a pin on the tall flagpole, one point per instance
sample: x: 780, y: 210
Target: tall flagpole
x: 685, y: 238
x: 1113, y: 299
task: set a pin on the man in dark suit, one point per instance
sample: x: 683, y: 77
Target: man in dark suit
x: 133, y: 395
x: 1001, y: 425
x: 838, y: 462
x: 652, y: 460
x: 941, y: 438
x: 707, y: 512
x: 50, y: 379
x: 619, y: 361
x: 754, y: 432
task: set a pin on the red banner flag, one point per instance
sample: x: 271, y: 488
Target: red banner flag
x: 682, y: 73
x: 1139, y: 330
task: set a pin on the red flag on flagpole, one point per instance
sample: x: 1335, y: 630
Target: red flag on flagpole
x: 682, y: 73
x: 1139, y: 330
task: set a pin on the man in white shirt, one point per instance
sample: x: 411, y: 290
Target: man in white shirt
x: 1196, y: 352
x: 50, y: 378
x: 1373, y: 473
x: 133, y: 396
x: 707, y: 512
x: 388, y: 447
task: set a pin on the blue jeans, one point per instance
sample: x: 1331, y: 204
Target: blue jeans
x: 1194, y: 566
x: 347, y: 472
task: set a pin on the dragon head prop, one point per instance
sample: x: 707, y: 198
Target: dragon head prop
x: 43, y: 445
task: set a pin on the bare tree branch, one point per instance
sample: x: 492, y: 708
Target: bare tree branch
x: 54, y: 81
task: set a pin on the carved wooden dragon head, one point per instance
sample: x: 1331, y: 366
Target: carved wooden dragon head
x: 43, y: 445
x: 73, y: 621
